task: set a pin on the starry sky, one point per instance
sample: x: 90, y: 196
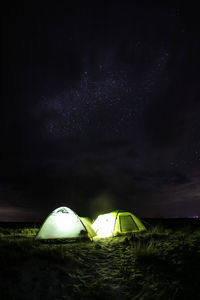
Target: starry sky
x: 100, y: 108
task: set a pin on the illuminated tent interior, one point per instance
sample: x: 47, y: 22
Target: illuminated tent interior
x: 64, y: 223
x: 116, y: 223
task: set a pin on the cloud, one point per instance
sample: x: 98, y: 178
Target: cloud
x: 18, y: 214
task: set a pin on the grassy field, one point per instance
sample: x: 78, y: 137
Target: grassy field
x: 162, y: 263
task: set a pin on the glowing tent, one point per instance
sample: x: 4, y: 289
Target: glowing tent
x: 64, y: 223
x: 117, y: 223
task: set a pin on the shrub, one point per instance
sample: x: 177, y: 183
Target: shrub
x: 146, y: 252
x: 157, y: 229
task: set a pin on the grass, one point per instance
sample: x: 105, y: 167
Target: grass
x: 27, y: 232
x: 17, y: 251
x: 157, y: 229
x: 146, y: 252
x: 158, y: 264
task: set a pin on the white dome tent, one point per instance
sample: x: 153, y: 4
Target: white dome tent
x: 64, y: 223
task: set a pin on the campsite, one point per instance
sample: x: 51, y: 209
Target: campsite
x: 160, y: 263
x: 100, y: 150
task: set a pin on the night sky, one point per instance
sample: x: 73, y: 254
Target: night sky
x: 100, y: 108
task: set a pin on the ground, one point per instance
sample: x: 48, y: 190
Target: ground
x: 161, y: 263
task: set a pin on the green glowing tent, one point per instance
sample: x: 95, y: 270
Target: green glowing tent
x: 116, y: 223
x: 64, y: 223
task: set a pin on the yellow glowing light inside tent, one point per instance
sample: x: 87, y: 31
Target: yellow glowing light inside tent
x: 104, y: 225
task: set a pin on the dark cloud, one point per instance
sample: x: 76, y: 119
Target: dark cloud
x: 100, y: 103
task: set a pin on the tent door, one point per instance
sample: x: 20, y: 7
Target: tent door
x: 127, y: 223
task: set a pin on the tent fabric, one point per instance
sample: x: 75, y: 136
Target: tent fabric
x: 117, y: 223
x: 88, y: 225
x: 64, y: 223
